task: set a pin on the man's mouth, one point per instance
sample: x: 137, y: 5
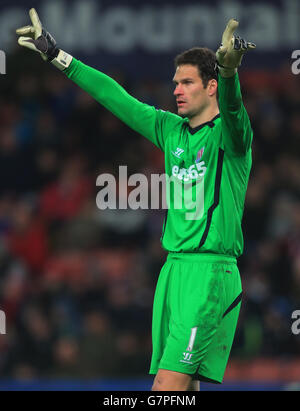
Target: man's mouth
x: 180, y: 103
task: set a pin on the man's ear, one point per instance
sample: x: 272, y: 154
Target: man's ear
x: 212, y: 87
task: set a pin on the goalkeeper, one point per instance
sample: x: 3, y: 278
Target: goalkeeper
x: 207, y: 148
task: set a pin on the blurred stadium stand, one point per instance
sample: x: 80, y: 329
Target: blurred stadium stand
x: 77, y: 283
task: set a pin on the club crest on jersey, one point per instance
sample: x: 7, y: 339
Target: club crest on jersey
x: 199, y: 155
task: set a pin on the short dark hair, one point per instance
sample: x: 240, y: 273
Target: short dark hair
x: 203, y: 58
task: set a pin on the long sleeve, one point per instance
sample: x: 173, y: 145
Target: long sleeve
x: 143, y: 118
x: 236, y: 127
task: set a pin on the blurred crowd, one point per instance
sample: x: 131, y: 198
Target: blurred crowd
x: 76, y: 282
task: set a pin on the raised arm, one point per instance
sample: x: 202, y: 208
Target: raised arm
x: 141, y: 117
x: 237, y: 131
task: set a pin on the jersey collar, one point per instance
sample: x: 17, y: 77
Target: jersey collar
x: 210, y: 123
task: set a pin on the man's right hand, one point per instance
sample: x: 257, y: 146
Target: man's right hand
x: 41, y: 41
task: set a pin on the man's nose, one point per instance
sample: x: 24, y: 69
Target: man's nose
x: 178, y: 90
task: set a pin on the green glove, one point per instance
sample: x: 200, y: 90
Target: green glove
x: 41, y: 41
x: 230, y: 53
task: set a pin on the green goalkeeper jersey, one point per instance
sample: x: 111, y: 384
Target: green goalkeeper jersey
x: 207, y: 168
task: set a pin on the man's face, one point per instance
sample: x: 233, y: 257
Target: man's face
x: 191, y: 97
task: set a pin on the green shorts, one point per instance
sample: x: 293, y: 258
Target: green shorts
x: 195, y: 312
